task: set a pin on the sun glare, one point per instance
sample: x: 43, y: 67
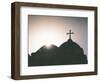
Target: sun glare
x: 48, y: 45
x: 46, y: 36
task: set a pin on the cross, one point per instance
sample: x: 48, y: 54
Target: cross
x: 70, y: 32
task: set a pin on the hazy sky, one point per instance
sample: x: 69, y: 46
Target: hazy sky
x: 45, y: 30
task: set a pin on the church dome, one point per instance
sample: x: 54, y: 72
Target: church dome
x: 71, y: 47
x: 70, y: 43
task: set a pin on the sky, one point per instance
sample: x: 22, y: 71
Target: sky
x: 46, y: 30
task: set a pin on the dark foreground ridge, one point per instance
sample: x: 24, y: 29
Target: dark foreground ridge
x: 68, y: 53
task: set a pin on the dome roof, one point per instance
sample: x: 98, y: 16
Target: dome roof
x: 70, y: 47
x: 69, y: 44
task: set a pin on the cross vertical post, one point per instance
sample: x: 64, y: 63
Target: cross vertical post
x: 70, y: 32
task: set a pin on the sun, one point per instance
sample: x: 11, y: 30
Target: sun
x: 47, y: 37
x: 47, y: 34
x: 48, y: 45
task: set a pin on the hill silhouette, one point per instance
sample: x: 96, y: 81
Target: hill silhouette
x: 47, y: 50
x: 66, y: 54
x: 44, y: 56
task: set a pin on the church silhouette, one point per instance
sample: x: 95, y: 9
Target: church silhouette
x: 68, y: 53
